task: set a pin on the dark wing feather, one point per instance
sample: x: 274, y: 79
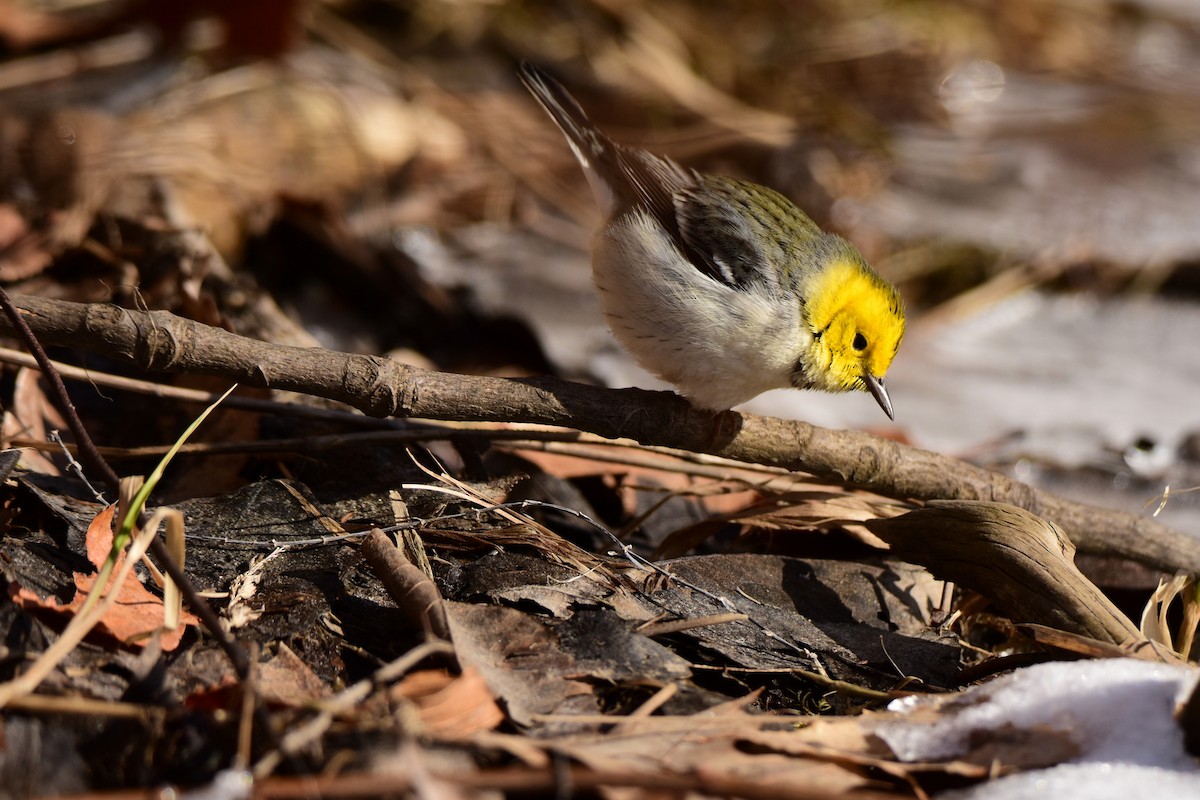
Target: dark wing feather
x: 721, y: 239
x: 743, y: 234
x: 654, y: 183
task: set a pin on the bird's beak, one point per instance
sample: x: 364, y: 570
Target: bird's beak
x: 875, y: 387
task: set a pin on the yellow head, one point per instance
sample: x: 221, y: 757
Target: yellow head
x: 857, y: 321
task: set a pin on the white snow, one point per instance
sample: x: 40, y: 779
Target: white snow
x: 1117, y: 713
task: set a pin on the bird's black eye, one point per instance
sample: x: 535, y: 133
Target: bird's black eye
x: 860, y: 342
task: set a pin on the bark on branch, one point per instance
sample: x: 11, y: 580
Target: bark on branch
x: 158, y: 341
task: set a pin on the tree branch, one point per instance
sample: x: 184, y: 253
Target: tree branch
x: 158, y: 341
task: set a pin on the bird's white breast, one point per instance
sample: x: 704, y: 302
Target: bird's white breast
x: 718, y: 345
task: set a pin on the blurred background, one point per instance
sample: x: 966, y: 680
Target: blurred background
x: 369, y: 176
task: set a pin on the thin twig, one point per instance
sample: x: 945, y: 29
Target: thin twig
x: 56, y: 441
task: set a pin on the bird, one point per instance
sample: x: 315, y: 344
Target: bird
x: 722, y: 287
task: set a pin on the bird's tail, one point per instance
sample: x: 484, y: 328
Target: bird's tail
x: 567, y: 114
x: 591, y: 147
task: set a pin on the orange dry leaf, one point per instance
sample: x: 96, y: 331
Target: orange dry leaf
x: 450, y: 705
x: 135, y: 615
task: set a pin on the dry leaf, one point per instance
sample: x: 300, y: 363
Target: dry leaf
x: 135, y: 615
x: 451, y: 705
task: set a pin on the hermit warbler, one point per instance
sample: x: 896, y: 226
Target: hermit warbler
x: 721, y: 287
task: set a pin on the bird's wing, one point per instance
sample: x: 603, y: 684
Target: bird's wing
x: 653, y: 182
x: 741, y: 234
